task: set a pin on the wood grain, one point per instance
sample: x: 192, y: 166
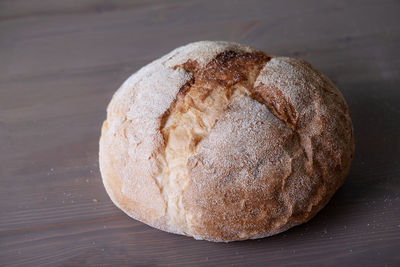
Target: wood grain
x: 60, y: 63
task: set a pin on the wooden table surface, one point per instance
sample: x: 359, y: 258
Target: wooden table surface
x: 60, y: 63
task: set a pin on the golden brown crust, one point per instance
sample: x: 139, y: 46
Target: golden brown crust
x: 225, y: 143
x: 288, y: 176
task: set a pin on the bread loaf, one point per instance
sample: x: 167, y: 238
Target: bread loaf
x: 223, y: 142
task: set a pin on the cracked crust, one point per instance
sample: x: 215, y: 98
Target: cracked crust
x: 223, y: 142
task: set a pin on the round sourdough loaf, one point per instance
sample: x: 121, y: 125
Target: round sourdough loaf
x: 223, y: 142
